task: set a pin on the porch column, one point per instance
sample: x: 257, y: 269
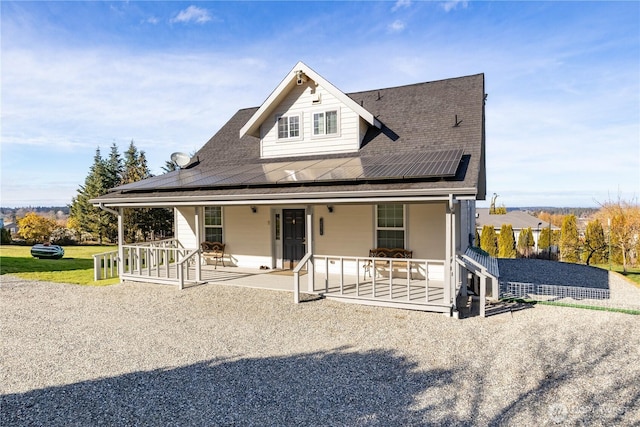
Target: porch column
x: 121, y: 260
x: 449, y: 273
x: 310, y: 267
x: 198, y: 215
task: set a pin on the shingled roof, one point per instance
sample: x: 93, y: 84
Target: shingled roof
x: 418, y: 118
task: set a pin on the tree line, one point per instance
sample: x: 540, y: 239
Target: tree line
x: 87, y: 222
x: 611, y: 236
x: 140, y: 224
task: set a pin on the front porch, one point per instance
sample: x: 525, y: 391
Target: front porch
x: 409, y: 284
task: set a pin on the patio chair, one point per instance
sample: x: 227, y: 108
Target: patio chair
x: 213, y: 250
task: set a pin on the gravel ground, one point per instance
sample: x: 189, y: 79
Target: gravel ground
x: 138, y: 354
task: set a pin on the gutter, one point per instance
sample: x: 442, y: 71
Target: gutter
x: 287, y: 198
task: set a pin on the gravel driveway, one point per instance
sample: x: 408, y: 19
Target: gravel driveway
x: 138, y: 354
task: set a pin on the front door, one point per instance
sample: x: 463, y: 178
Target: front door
x: 293, y: 236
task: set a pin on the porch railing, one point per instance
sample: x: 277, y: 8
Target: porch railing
x: 422, y: 274
x: 105, y: 265
x: 162, y: 261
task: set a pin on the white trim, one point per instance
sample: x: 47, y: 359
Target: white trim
x: 372, y: 196
x: 204, y: 222
x: 403, y: 228
x: 252, y: 127
x: 289, y: 138
x: 324, y: 111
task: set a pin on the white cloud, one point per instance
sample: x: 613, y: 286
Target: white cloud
x: 397, y: 26
x: 453, y: 4
x: 401, y: 4
x: 192, y: 14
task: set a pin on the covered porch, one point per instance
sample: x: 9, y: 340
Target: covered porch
x: 415, y: 284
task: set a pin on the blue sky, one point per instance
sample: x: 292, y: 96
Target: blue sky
x: 563, y: 79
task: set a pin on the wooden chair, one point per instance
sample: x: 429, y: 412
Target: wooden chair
x: 213, y: 250
x: 385, y: 253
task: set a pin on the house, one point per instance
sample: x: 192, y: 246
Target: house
x: 314, y: 179
x: 519, y: 220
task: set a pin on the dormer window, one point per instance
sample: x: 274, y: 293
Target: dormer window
x: 288, y: 127
x: 325, y: 123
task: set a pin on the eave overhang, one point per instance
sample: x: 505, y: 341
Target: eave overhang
x: 309, y: 197
x: 252, y: 127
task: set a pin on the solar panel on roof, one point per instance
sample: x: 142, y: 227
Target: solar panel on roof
x: 443, y: 163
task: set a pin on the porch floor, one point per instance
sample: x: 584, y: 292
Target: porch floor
x: 398, y: 295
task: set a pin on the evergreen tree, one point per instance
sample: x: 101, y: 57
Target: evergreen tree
x: 595, y: 245
x: 569, y: 240
x: 506, y: 242
x: 91, y: 219
x: 526, y: 242
x: 489, y: 240
x: 114, y: 168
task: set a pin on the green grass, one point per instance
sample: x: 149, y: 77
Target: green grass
x: 633, y: 274
x: 75, y: 267
x: 584, y: 306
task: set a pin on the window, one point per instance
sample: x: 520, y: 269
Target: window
x: 390, y: 226
x: 325, y: 123
x: 288, y: 127
x: 213, y: 224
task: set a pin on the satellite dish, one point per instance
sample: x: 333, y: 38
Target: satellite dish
x: 180, y: 159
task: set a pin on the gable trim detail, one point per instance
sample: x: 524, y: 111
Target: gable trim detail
x: 301, y: 70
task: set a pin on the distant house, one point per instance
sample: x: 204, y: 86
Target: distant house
x: 519, y: 220
x: 315, y: 179
x: 12, y: 227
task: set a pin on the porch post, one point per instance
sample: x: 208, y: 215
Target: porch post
x: 121, y: 260
x: 198, y: 240
x: 310, y: 266
x: 449, y: 276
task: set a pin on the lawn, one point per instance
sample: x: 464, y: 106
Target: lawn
x: 75, y: 267
x: 633, y: 274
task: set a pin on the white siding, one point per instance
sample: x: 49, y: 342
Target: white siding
x: 300, y: 102
x: 427, y: 236
x: 185, y: 225
x: 348, y: 231
x: 247, y: 236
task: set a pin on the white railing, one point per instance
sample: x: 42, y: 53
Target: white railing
x: 347, y: 270
x: 162, y: 261
x: 105, y: 265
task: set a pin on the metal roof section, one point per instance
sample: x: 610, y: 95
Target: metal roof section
x: 436, y: 164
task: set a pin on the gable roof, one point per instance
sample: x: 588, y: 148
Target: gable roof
x: 301, y: 70
x: 517, y: 219
x: 416, y: 121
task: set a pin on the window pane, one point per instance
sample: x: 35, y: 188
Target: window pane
x: 318, y: 124
x: 332, y: 122
x: 390, y: 216
x: 283, y: 127
x: 213, y: 215
x: 391, y: 239
x: 213, y: 234
x: 294, y: 126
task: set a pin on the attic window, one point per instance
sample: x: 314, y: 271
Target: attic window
x: 325, y: 123
x: 288, y: 127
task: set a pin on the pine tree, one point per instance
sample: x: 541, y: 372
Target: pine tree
x: 569, y: 240
x: 489, y: 240
x: 506, y: 242
x: 91, y: 219
x: 526, y: 242
x: 595, y: 245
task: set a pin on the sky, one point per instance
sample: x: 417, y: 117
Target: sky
x: 562, y: 78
